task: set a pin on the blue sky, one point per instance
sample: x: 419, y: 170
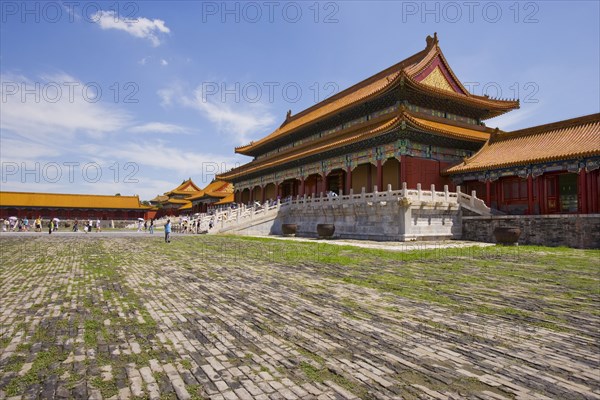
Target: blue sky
x: 134, y: 97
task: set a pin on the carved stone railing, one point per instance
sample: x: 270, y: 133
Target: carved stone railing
x: 227, y: 219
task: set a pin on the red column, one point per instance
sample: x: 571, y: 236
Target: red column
x: 499, y: 197
x: 302, y: 186
x: 593, y: 194
x: 488, y: 193
x: 402, y: 170
x: 348, y: 184
x: 530, y: 209
x: 262, y: 194
x: 252, y: 195
x: 369, y: 187
x: 323, y: 177
x: 582, y: 191
x: 541, y: 194
x: 379, y: 176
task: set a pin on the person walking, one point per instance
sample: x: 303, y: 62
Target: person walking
x: 50, y: 226
x: 168, y: 231
x: 38, y: 224
x: 152, y: 226
x: 98, y: 227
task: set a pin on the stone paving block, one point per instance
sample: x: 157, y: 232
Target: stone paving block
x: 210, y: 316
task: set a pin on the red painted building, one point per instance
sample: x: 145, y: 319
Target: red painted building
x: 547, y: 169
x: 407, y: 123
x: 70, y: 206
x: 415, y: 122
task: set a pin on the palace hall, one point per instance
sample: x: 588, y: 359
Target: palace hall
x: 415, y: 122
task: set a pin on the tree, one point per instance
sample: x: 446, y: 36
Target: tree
x: 118, y: 194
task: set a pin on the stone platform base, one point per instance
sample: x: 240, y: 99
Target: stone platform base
x: 380, y: 221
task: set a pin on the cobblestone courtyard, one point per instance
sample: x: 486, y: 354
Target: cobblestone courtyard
x: 125, y: 316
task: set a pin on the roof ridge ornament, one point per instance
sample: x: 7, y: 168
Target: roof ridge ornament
x: 495, y: 135
x: 288, y: 116
x: 432, y: 41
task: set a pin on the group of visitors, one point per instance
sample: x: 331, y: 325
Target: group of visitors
x: 147, y: 227
x: 14, y: 224
x: 193, y: 226
x: 88, y: 226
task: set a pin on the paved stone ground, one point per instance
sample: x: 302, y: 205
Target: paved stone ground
x: 124, y: 316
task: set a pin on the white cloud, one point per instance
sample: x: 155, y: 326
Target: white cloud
x: 166, y: 95
x: 157, y: 155
x: 56, y: 106
x: 240, y: 121
x: 163, y: 62
x: 143, y: 61
x: 159, y: 127
x: 516, y: 119
x: 138, y: 27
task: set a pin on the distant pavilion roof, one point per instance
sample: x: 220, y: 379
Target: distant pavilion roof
x: 226, y: 200
x: 569, y: 139
x: 59, y: 200
x: 218, y: 189
x: 187, y: 187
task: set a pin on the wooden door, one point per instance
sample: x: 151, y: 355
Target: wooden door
x: 552, y: 197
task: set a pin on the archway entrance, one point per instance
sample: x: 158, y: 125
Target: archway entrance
x: 391, y: 174
x: 270, y: 192
x: 363, y: 176
x: 290, y: 187
x: 256, y: 194
x: 313, y: 185
x: 336, y: 180
x: 245, y: 198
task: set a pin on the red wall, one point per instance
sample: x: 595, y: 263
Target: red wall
x: 426, y: 172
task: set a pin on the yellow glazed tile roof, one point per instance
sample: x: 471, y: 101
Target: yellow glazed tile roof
x: 186, y: 187
x: 58, y: 200
x: 359, y: 133
x: 573, y: 138
x: 405, y: 71
x: 216, y: 188
x: 226, y: 200
x: 188, y: 206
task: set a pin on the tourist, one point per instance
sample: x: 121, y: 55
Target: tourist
x: 145, y: 226
x: 139, y: 226
x: 25, y: 224
x: 38, y: 224
x: 90, y: 224
x: 168, y: 231
x: 50, y: 226
x: 152, y: 226
x: 98, y: 227
x: 76, y: 226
